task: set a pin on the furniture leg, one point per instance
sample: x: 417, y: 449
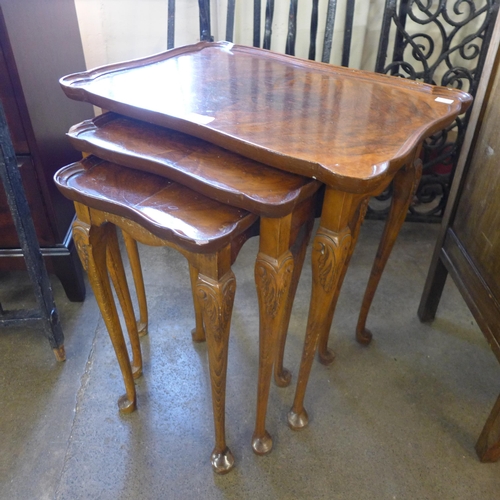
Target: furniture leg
x: 216, y: 295
x: 117, y: 274
x: 273, y: 277
x: 325, y: 355
x: 331, y: 247
x: 70, y: 273
x: 10, y: 177
x: 198, y: 332
x: 136, y: 268
x: 434, y: 285
x: 91, y: 244
x: 282, y: 376
x: 405, y: 182
x: 488, y: 444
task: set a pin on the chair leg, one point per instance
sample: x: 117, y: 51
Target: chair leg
x: 91, y: 244
x: 135, y: 266
x: 405, y: 183
x: 216, y: 298
x: 198, y: 332
x: 282, y: 376
x: 117, y: 274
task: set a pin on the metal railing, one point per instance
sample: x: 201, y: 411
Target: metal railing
x: 441, y: 42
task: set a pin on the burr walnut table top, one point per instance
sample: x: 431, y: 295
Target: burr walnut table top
x: 217, y: 173
x: 348, y: 128
x: 167, y: 209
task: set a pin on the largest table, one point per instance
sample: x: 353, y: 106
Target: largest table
x: 354, y: 131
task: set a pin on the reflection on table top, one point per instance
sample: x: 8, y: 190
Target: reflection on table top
x: 345, y: 127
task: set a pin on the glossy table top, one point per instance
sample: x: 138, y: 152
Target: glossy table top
x: 169, y: 210
x: 213, y: 171
x: 347, y: 128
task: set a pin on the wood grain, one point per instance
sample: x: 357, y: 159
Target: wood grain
x: 347, y: 128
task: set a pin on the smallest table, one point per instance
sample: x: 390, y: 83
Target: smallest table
x: 159, y: 212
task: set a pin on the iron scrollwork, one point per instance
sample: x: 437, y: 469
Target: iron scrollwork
x: 449, y: 50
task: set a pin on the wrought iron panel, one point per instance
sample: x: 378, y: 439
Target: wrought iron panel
x: 443, y: 42
x: 292, y: 28
x: 231, y: 6
x: 268, y: 26
x: 205, y: 30
x: 330, y: 24
x: 171, y: 24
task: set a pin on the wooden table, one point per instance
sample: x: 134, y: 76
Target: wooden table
x: 285, y: 203
x: 158, y: 212
x: 354, y: 131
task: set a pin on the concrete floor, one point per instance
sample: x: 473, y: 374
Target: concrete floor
x: 395, y: 420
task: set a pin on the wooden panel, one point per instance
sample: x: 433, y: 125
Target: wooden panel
x: 40, y: 42
x: 477, y: 220
x: 9, y: 102
x: 468, y: 245
x: 7, y: 228
x: 470, y: 282
x: 436, y: 277
x: 45, y: 42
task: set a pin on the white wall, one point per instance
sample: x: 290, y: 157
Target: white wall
x: 117, y: 30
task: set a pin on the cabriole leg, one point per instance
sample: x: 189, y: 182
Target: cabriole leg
x: 282, y: 376
x: 325, y: 355
x: 273, y: 277
x: 216, y: 298
x: 136, y: 268
x: 198, y: 332
x: 91, y: 244
x: 117, y: 274
x: 405, y: 182
x: 331, y: 246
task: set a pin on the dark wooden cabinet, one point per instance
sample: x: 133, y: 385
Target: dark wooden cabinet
x: 468, y: 247
x: 40, y: 43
